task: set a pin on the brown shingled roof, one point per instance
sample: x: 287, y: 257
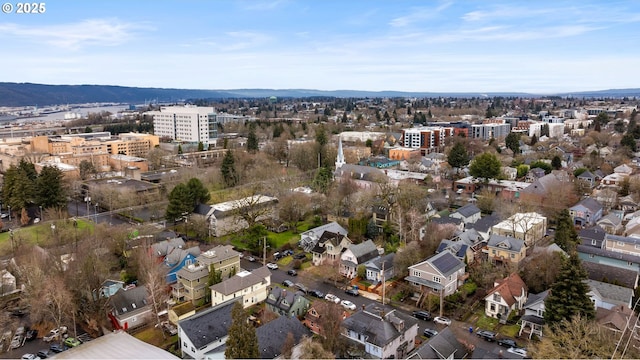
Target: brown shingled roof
x: 509, y: 288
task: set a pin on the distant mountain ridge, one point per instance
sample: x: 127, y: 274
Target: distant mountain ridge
x: 29, y: 94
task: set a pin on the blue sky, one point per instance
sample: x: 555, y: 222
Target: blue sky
x: 475, y: 46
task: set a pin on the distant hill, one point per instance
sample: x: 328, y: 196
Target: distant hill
x: 28, y: 94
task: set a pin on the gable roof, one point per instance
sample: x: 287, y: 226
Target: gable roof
x: 446, y: 220
x: 446, y: 263
x: 601, y: 272
x: 378, y: 323
x: 208, y: 326
x: 535, y: 299
x: 505, y: 242
x: 612, y: 294
x: 127, y: 301
x: 177, y: 255
x: 485, y: 223
x: 509, y: 288
x: 284, y: 299
x: 468, y: 210
x: 381, y: 262
x: 272, y: 335
x: 364, y: 251
x: 542, y: 185
x: 616, y: 318
x: 444, y: 345
x: 589, y: 203
x: 202, y: 209
x: 162, y: 248
x: 594, y: 233
x: 611, y: 218
x: 241, y: 280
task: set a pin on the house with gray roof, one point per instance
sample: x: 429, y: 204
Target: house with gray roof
x: 607, y: 295
x: 310, y: 238
x: 602, y: 272
x: 468, y: 213
x: 484, y: 225
x: 380, y: 268
x: 593, y: 236
x: 611, y: 223
x: 273, y: 335
x: 442, y: 272
x: 588, y: 178
x: 287, y: 303
x: 164, y: 247
x: 178, y: 258
x: 252, y: 287
x: 586, y: 212
x: 205, y: 334
x: 227, y: 217
x: 444, y: 345
x: 329, y: 247
x: 466, y: 244
x: 505, y: 249
x: 532, y: 321
x: 357, y: 254
x: 129, y: 308
x: 383, y: 331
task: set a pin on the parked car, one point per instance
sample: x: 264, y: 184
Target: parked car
x: 422, y: 315
x: 352, y: 292
x: 292, y: 272
x: 332, y: 298
x: 277, y: 256
x: 57, y: 348
x: 71, y: 342
x: 518, y: 351
x: 300, y: 256
x: 287, y: 283
x: 300, y: 287
x: 251, y: 258
x: 31, y: 334
x: 348, y: 305
x: 169, y: 328
x: 43, y: 354
x: 55, y: 334
x: 20, y: 330
x: 429, y: 332
x: 441, y: 320
x: 508, y: 343
x: 317, y: 293
x: 486, y: 334
x: 16, y: 342
x: 272, y: 266
x: 287, y: 252
x: 29, y: 357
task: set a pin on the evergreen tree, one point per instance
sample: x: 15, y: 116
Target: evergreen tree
x: 485, y: 166
x: 322, y: 180
x: 458, y: 156
x: 566, y: 236
x: 242, y: 342
x: 179, y: 202
x: 197, y: 192
x: 556, y: 162
x: 512, y: 141
x: 252, y: 141
x: 568, y: 295
x: 49, y: 189
x: 629, y: 141
x: 215, y: 277
x: 534, y: 140
x: 228, y: 170
x: 200, y: 146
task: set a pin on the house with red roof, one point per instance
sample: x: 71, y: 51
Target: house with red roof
x: 507, y: 295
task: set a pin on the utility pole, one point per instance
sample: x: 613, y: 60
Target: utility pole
x: 264, y: 251
x: 384, y: 283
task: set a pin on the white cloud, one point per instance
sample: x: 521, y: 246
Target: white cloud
x: 419, y: 14
x: 102, y: 32
x: 263, y: 5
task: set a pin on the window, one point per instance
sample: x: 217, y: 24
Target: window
x: 593, y: 241
x: 513, y: 256
x: 437, y: 279
x: 496, y: 297
x: 619, y: 243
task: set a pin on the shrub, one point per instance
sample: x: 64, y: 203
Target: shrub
x: 297, y: 264
x: 469, y: 288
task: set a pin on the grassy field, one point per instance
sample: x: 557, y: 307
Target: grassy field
x: 153, y: 336
x: 40, y: 234
x: 277, y: 240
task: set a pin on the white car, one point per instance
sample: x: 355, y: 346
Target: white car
x: 333, y: 298
x: 348, y: 305
x: 518, y: 351
x: 272, y: 266
x: 441, y: 320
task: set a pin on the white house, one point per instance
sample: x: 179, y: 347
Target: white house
x: 252, y: 287
x: 203, y: 335
x: 507, y: 295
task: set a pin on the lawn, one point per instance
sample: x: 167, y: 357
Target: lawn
x: 486, y: 323
x: 36, y: 234
x: 152, y: 335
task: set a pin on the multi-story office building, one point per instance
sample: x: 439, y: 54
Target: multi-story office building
x: 191, y: 124
x: 426, y: 138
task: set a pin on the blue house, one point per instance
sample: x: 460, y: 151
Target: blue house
x: 178, y: 258
x: 586, y: 212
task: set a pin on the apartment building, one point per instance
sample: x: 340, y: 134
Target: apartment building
x: 489, y: 131
x: 427, y: 139
x: 191, y: 124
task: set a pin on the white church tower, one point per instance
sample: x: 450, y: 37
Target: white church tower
x: 340, y: 159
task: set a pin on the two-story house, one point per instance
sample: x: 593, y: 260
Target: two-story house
x: 468, y: 213
x: 177, y: 259
x: 384, y: 332
x: 611, y: 223
x: 191, y: 284
x: 357, y: 254
x: 588, y: 178
x: 204, y: 335
x: 329, y: 248
x: 380, y: 215
x: 380, y: 268
x: 505, y: 249
x: 532, y: 321
x: 507, y: 295
x: 608, y: 296
x: 229, y: 217
x: 287, y: 303
x: 441, y: 273
x: 310, y: 238
x: 529, y: 227
x: 586, y: 212
x: 273, y: 336
x: 129, y: 308
x: 252, y: 287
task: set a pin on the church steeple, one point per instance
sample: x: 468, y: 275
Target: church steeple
x: 340, y: 159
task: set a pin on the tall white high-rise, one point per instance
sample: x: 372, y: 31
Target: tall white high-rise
x: 188, y: 123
